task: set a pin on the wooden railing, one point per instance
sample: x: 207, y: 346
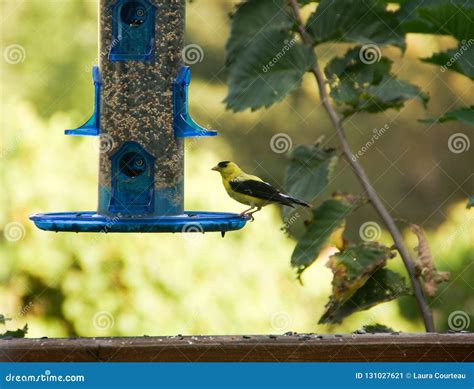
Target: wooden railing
x: 456, y: 347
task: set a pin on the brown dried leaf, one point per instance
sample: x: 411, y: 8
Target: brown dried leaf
x: 424, y: 263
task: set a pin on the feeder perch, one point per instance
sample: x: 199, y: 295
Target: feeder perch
x: 141, y: 118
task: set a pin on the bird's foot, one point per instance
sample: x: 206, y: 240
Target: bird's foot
x: 250, y: 214
x: 246, y: 212
x: 247, y: 216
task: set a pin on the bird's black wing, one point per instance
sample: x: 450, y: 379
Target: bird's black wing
x: 259, y: 189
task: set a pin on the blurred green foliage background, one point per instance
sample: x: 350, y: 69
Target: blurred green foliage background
x: 97, y: 285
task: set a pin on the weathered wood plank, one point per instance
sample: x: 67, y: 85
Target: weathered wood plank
x: 268, y: 348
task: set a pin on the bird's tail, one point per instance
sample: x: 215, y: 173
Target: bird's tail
x: 288, y: 200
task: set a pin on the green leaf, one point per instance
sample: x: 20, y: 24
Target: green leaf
x: 328, y: 218
x: 459, y: 60
x: 264, y: 61
x: 309, y: 171
x: 384, y: 285
x: 365, y: 22
x: 354, y: 266
x: 443, y: 17
x: 3, y: 319
x: 19, y: 333
x: 410, y: 20
x: 363, y: 83
x: 464, y: 115
x: 452, y: 17
x: 377, y: 329
x: 250, y: 21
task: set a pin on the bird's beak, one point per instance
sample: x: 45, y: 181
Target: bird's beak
x: 215, y: 168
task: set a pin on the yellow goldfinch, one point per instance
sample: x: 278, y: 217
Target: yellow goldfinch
x: 251, y: 190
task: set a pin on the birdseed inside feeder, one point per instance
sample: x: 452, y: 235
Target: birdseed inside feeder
x: 141, y: 116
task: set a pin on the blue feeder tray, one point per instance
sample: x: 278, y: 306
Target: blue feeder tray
x: 93, y: 222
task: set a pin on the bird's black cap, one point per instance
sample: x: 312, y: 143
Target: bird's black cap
x: 223, y: 164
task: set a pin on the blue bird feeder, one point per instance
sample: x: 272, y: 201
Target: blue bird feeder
x: 141, y: 116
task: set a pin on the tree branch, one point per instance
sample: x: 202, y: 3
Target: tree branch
x: 362, y: 176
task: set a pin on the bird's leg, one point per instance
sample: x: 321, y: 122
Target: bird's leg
x: 251, y: 213
x: 245, y: 212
